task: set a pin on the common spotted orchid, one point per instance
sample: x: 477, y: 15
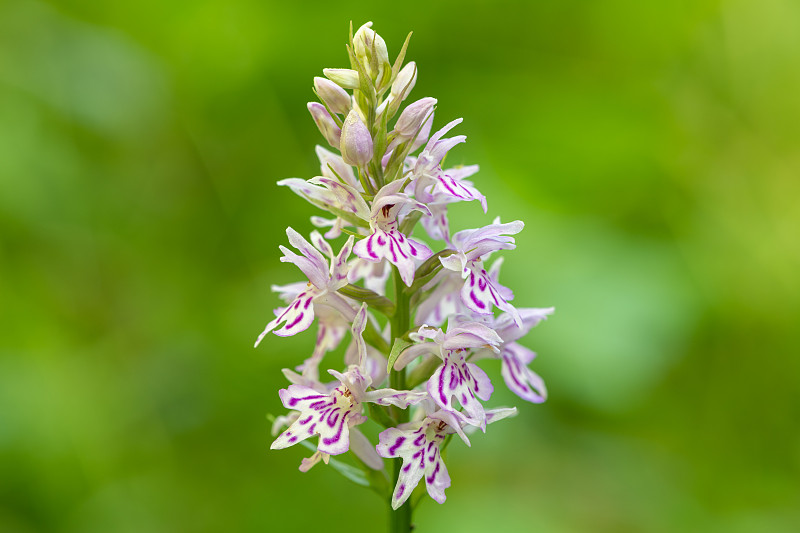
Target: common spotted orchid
x: 412, y: 365
x: 323, y: 281
x: 419, y: 445
x: 387, y: 241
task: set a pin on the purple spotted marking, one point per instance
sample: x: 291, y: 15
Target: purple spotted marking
x: 432, y: 477
x: 475, y: 300
x: 399, y: 442
x: 295, y: 321
x: 515, y: 369
x: 294, y: 401
x: 333, y: 418
x: 336, y: 437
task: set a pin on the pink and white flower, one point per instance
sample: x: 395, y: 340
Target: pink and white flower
x: 481, y: 291
x: 455, y: 378
x: 324, y: 281
x: 387, y: 241
x: 419, y: 445
x: 515, y: 358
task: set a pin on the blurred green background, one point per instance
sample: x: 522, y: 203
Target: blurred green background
x: 652, y: 148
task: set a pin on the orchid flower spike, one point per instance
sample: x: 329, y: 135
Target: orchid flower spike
x: 416, y: 343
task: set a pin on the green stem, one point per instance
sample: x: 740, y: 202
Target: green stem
x: 399, y: 520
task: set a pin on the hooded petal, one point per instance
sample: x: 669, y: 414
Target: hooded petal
x: 530, y: 316
x: 468, y: 335
x: 476, y: 243
x: 312, y: 263
x: 442, y: 303
x: 340, y: 267
x: 333, y: 166
x: 437, y: 226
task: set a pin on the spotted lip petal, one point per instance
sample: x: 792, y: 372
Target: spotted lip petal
x: 331, y: 415
x: 323, y: 282
x: 418, y: 444
x: 479, y: 293
x: 419, y: 449
x: 464, y: 381
x: 395, y: 247
x: 515, y: 358
x: 328, y: 416
x: 296, y: 318
x: 520, y: 379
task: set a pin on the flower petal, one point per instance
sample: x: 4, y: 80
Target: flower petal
x: 410, y: 445
x: 401, y: 399
x: 297, y: 317
x: 466, y: 382
x: 522, y: 381
x: 398, y: 249
x: 365, y: 450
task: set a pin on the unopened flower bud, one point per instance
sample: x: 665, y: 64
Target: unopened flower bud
x: 356, y: 142
x: 412, y: 116
x: 343, y: 77
x: 327, y: 126
x: 336, y: 98
x: 405, y: 80
x: 370, y: 48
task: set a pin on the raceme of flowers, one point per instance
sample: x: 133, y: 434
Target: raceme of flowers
x: 411, y: 364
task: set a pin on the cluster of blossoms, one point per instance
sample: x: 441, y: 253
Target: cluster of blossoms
x: 411, y: 363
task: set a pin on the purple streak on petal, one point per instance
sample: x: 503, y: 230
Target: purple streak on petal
x: 399, y: 442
